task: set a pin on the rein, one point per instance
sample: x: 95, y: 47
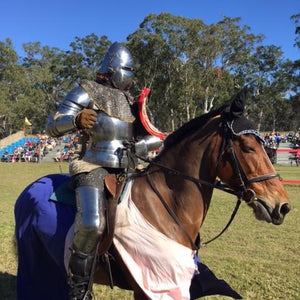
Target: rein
x: 198, y: 182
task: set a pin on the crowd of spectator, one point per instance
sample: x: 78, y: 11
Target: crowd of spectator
x: 294, y: 139
x: 274, y: 139
x: 32, y: 150
x: 68, y: 149
x: 36, y: 148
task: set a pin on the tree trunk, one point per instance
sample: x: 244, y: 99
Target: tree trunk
x: 259, y: 119
x: 188, y: 115
x: 208, y: 102
x: 274, y: 124
x: 172, y: 120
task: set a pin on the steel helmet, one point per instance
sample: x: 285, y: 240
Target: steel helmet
x: 118, y: 63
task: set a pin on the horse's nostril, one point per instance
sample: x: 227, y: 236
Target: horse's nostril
x: 285, y: 208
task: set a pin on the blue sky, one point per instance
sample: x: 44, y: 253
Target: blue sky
x: 56, y: 23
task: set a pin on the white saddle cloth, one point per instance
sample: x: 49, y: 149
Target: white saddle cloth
x: 162, y: 267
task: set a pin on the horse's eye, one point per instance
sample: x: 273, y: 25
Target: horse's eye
x: 247, y: 149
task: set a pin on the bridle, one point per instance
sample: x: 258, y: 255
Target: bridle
x: 227, y: 145
x: 242, y: 193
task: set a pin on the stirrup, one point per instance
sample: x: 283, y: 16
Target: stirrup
x: 79, y: 288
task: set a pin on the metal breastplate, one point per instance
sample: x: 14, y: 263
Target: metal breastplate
x: 107, y: 136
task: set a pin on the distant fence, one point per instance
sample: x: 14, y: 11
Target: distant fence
x: 288, y: 156
x: 287, y: 150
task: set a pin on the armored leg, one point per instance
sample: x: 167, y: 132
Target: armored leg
x: 89, y: 227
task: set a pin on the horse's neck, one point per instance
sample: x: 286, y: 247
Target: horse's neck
x: 194, y: 159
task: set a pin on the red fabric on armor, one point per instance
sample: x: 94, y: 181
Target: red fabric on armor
x: 150, y: 128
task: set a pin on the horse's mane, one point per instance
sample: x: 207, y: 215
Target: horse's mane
x: 190, y: 127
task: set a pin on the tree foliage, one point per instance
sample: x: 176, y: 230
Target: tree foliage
x: 190, y: 67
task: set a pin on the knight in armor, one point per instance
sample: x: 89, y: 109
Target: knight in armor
x: 105, y: 114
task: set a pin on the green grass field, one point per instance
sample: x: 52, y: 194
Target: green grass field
x: 259, y: 260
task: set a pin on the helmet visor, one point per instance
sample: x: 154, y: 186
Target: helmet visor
x: 122, y: 79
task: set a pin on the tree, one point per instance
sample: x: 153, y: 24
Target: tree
x: 296, y: 20
x: 188, y: 64
x: 159, y: 46
x: 52, y: 72
x: 84, y: 60
x: 294, y: 77
x: 270, y: 86
x: 13, y: 84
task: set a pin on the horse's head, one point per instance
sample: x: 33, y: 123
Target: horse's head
x: 244, y: 165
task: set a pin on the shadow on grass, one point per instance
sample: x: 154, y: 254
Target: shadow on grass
x: 8, y: 286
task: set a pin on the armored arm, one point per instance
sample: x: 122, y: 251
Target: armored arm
x: 64, y: 119
x: 148, y: 137
x: 147, y: 144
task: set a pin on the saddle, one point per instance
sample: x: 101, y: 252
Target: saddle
x: 114, y: 187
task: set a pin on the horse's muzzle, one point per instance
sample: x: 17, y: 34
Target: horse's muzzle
x: 264, y: 212
x: 279, y: 213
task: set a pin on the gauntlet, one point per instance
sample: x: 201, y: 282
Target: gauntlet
x: 86, y: 119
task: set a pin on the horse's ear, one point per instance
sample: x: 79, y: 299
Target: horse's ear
x: 238, y: 104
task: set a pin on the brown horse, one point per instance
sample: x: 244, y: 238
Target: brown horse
x: 179, y: 183
x: 221, y: 150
